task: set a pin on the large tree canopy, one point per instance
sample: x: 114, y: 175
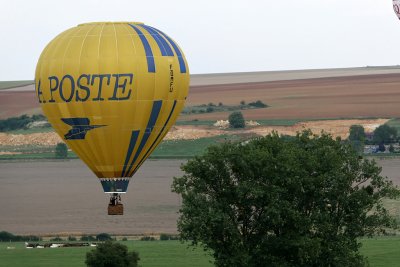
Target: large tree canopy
x: 276, y: 201
x: 385, y: 134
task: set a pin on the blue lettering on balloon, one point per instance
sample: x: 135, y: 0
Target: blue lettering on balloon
x: 117, y: 86
x: 53, y: 88
x: 101, y: 77
x: 72, y: 88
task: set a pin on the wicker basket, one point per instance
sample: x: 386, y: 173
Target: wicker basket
x: 117, y: 209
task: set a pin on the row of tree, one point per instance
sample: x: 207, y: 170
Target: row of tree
x: 7, y: 237
x: 382, y: 135
x: 21, y: 122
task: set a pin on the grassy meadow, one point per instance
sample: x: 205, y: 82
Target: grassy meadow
x: 152, y: 254
x: 381, y: 252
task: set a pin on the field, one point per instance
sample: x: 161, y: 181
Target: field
x: 152, y: 254
x: 63, y: 197
x: 381, y: 252
x: 339, y: 97
x: 312, y: 94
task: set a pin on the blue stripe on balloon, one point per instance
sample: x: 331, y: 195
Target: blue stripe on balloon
x: 151, y: 67
x: 162, y: 44
x: 155, y: 141
x: 132, y: 143
x: 155, y: 111
x: 177, y: 51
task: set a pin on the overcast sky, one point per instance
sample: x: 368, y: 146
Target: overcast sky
x: 218, y: 35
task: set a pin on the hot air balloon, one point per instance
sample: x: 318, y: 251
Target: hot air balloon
x: 396, y: 7
x: 112, y: 90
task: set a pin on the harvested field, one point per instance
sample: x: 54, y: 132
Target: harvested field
x: 338, y: 128
x: 64, y: 197
x: 186, y: 132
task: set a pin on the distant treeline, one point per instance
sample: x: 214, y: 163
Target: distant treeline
x: 7, y: 237
x: 21, y: 122
x: 220, y: 107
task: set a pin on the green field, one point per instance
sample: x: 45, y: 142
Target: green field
x: 11, y: 84
x: 168, y: 149
x: 188, y: 148
x: 152, y: 254
x: 381, y: 252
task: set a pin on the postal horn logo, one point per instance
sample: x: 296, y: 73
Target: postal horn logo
x: 80, y: 126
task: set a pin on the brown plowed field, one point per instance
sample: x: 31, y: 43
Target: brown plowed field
x: 337, y: 97
x: 64, y: 197
x: 340, y: 97
x: 18, y: 102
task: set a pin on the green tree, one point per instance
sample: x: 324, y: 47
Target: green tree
x: 357, y: 137
x: 236, y: 120
x: 111, y: 254
x: 357, y: 133
x: 385, y: 134
x: 276, y: 201
x: 61, y: 151
x: 103, y: 237
x: 72, y: 238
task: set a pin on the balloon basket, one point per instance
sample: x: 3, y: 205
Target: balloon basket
x: 117, y: 209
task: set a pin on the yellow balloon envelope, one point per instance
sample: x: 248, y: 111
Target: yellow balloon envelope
x: 112, y: 91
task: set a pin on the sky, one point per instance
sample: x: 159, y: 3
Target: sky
x: 218, y: 36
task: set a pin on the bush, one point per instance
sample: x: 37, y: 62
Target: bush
x: 88, y: 238
x: 103, y: 237
x: 258, y: 104
x: 111, y: 254
x: 57, y: 238
x: 124, y: 239
x: 72, y: 238
x: 236, y: 120
x: 7, y: 237
x: 385, y: 134
x: 209, y: 109
x: 16, y: 123
x: 30, y: 238
x: 164, y: 237
x: 147, y: 238
x: 61, y: 151
x: 220, y: 104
